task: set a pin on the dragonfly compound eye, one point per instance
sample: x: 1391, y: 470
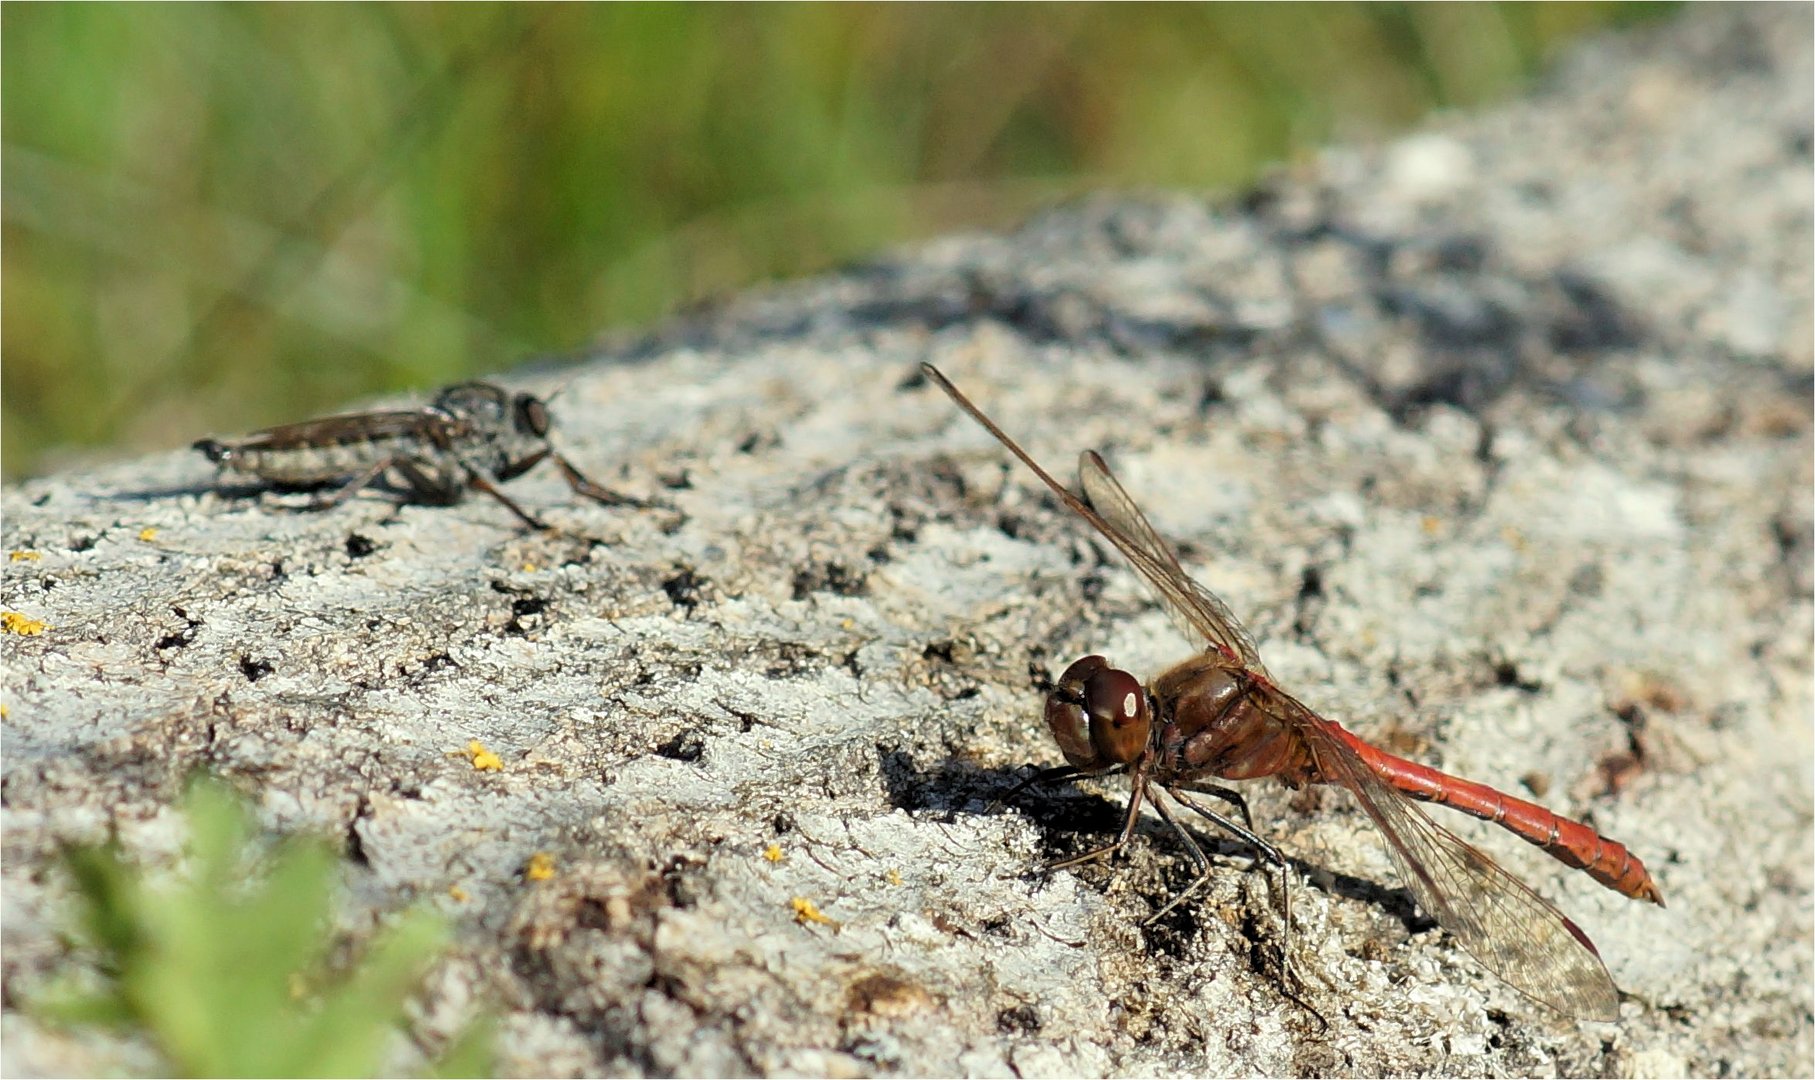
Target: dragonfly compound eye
x: 1067, y: 718
x: 532, y: 415
x: 1119, y: 720
x: 1098, y: 714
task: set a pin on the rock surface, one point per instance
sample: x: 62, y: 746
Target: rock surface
x: 1498, y: 436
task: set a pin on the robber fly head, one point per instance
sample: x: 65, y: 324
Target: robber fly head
x: 506, y: 434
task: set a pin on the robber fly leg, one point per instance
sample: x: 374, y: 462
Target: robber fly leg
x: 583, y: 486
x: 428, y: 483
x: 354, y: 486
x: 480, y: 482
x: 441, y: 486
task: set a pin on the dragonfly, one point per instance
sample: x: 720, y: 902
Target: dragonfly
x: 1220, y: 716
x: 473, y: 435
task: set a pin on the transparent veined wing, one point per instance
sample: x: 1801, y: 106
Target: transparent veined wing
x: 1197, y: 611
x: 1511, y: 930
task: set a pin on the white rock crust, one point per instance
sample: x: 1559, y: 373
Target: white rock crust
x: 1499, y: 436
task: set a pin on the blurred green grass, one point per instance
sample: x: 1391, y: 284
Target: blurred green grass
x: 222, y: 216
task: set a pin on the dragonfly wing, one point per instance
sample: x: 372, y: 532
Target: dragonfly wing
x: 1197, y: 611
x: 1511, y: 930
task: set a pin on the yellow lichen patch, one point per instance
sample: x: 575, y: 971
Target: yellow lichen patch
x: 530, y: 568
x: 893, y: 877
x: 773, y: 853
x: 459, y: 894
x: 483, y: 760
x: 806, y: 912
x: 24, y: 556
x: 23, y: 625
x: 148, y: 534
x: 4, y: 712
x: 1432, y: 524
x: 541, y: 867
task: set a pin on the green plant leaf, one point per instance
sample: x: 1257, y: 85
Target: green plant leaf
x: 109, y: 898
x: 227, y: 969
x: 67, y: 1004
x: 470, y: 1052
x: 347, y: 1036
x: 218, y: 834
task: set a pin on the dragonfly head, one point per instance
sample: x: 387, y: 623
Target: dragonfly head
x: 1098, y: 714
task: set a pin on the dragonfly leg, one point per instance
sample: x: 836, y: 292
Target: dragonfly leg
x: 1228, y: 795
x: 1134, y: 816
x: 1264, y: 850
x: 1198, y: 860
x: 1246, y: 834
x: 1044, y: 776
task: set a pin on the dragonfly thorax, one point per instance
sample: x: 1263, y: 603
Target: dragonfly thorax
x: 1214, y: 722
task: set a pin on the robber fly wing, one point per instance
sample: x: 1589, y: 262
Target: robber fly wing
x: 1511, y: 930
x: 330, y: 430
x: 1197, y: 611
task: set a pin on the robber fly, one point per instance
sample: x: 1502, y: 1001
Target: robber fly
x: 474, y: 434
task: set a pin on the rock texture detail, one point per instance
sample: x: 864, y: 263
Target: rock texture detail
x: 1498, y: 436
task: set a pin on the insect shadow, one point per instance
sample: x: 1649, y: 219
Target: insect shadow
x: 227, y: 492
x: 1071, y: 818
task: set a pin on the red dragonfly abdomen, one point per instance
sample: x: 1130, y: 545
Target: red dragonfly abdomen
x: 1570, y: 842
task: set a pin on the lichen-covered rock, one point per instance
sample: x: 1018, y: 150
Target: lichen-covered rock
x: 1498, y: 436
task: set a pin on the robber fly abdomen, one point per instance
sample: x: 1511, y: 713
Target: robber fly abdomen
x: 304, y: 466
x: 473, y: 435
